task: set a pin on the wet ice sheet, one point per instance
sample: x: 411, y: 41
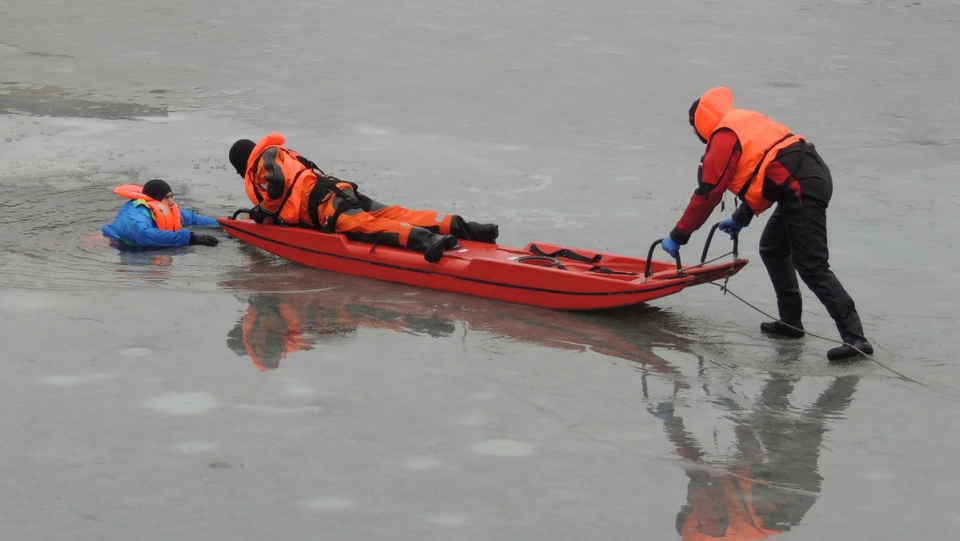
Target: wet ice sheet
x: 451, y: 435
x: 139, y: 411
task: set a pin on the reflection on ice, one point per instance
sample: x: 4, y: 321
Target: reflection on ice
x: 749, y: 439
x: 293, y: 309
x: 753, y: 472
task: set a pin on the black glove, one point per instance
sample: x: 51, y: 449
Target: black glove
x: 205, y: 240
x: 257, y: 214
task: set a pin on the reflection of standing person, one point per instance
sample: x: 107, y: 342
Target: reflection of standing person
x: 764, y: 164
x: 290, y: 189
x: 773, y: 481
x: 152, y: 219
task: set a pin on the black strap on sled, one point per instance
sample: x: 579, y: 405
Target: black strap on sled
x: 566, y: 253
x: 574, y: 256
x: 604, y: 270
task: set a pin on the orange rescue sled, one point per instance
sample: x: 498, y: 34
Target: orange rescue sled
x: 541, y: 274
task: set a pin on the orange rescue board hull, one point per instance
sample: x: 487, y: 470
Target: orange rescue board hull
x: 488, y: 270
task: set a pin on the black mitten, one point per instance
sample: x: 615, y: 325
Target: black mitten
x: 205, y: 240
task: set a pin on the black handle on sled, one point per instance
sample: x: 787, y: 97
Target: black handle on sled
x: 706, y: 246
x: 239, y: 212
x: 647, y: 273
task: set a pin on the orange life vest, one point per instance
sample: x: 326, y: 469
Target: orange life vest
x: 167, y: 217
x: 271, y: 163
x: 760, y: 139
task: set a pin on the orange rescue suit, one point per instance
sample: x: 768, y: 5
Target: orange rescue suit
x: 277, y: 180
x: 287, y: 186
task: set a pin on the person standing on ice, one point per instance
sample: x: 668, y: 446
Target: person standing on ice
x: 764, y: 164
x: 290, y: 189
x: 152, y: 219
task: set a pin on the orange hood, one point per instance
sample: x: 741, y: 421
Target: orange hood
x: 714, y: 103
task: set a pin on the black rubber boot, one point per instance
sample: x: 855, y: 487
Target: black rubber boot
x: 849, y: 351
x: 463, y: 229
x: 851, y: 332
x: 440, y: 243
x: 484, y: 232
x: 431, y: 244
x: 851, y: 329
x: 450, y: 242
x: 793, y: 330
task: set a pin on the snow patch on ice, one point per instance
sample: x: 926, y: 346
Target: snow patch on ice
x: 366, y: 129
x: 447, y: 520
x: 136, y: 352
x: 329, y: 503
x: 71, y: 381
x: 472, y: 420
x: 191, y: 447
x: 423, y: 463
x: 182, y: 403
x: 503, y: 448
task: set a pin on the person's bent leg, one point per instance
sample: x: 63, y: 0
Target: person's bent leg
x: 363, y: 227
x: 369, y: 227
x: 808, y: 239
x: 463, y: 229
x: 445, y: 224
x: 775, y: 254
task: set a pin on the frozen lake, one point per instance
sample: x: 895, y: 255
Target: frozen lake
x: 221, y: 393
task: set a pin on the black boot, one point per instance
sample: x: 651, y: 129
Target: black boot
x: 851, y: 332
x: 485, y: 232
x: 450, y: 242
x: 793, y: 330
x: 463, y: 229
x: 851, y: 329
x: 847, y: 351
x: 431, y: 244
x: 436, y: 248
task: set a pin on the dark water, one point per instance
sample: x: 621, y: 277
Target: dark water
x: 222, y: 393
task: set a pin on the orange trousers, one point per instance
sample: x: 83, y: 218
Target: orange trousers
x: 393, y: 225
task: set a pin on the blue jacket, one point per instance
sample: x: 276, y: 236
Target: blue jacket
x: 134, y: 226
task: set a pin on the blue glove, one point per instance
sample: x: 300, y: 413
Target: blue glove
x: 670, y: 247
x: 730, y: 227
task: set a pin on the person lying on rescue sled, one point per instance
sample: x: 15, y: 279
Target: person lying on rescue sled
x: 763, y: 163
x: 152, y: 219
x: 290, y: 189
